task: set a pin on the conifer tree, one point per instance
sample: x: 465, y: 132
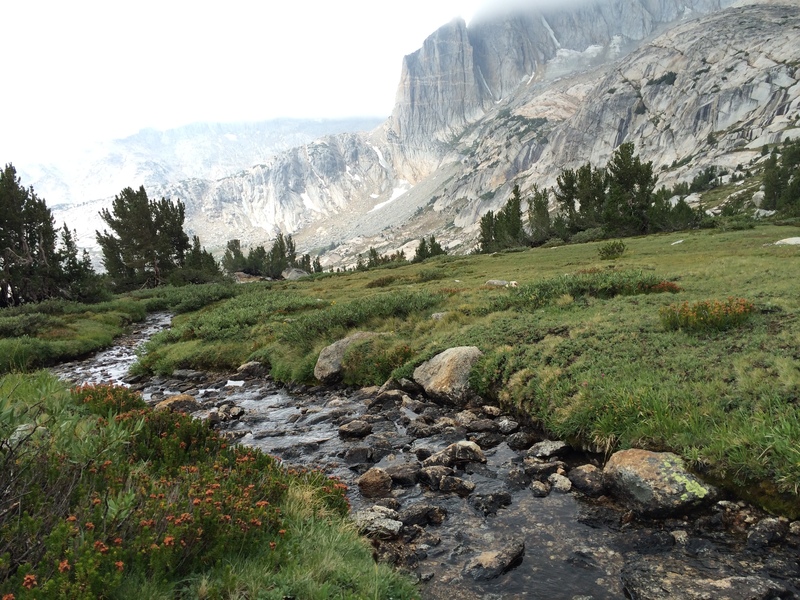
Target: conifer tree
x: 147, y: 240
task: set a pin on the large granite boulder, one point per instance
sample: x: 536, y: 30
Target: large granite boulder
x: 446, y: 375
x: 655, y: 484
x: 329, y: 364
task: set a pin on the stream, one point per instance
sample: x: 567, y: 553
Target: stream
x: 498, y: 530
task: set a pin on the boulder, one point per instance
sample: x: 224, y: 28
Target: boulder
x: 458, y: 453
x: 559, y: 483
x: 252, y: 369
x: 423, y: 514
x: 432, y: 476
x: 294, y: 274
x: 648, y: 579
x: 329, y: 364
x: 404, y: 475
x: 548, y: 448
x: 356, y: 429
x: 446, y: 376
x: 456, y: 485
x: 378, y: 522
x: 375, y: 483
x: 492, y: 564
x: 182, y: 403
x: 655, y: 484
x: 588, y: 480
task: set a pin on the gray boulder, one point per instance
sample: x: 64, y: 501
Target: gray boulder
x: 455, y: 454
x: 329, y: 364
x: 294, y: 274
x: 446, y: 376
x: 493, y: 563
x: 655, y: 484
x: 378, y: 522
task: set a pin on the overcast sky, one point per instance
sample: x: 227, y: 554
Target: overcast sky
x: 79, y: 71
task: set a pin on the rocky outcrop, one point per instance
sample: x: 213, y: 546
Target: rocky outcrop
x: 446, y: 375
x: 655, y: 483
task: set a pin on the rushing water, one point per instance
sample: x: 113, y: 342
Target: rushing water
x: 575, y: 549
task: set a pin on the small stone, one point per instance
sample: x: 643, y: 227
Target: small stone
x: 432, y: 476
x: 507, y: 426
x: 355, y: 429
x: 559, y: 483
x: 540, y: 489
x: 405, y: 475
x: 794, y: 528
x: 491, y: 411
x: 588, y: 480
x: 375, y: 483
x: 548, y: 449
x: 541, y: 470
x: 521, y: 440
x: 358, y: 455
x: 423, y: 514
x: 252, y: 369
x: 456, y: 485
x: 482, y: 425
x: 487, y: 439
x: 492, y: 564
x: 458, y: 453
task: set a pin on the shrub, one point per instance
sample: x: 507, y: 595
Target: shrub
x: 382, y: 281
x: 597, y: 284
x: 611, y: 250
x: 372, y: 361
x: 707, y: 315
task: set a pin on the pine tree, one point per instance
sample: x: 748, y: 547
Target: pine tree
x: 147, y: 240
x: 422, y: 251
x: 233, y: 259
x: 539, y: 216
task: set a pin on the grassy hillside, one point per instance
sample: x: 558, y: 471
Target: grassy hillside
x: 577, y: 347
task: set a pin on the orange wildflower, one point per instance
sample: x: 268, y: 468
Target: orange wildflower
x: 64, y: 566
x: 30, y: 581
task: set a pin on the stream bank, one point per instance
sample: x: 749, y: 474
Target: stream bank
x: 514, y: 526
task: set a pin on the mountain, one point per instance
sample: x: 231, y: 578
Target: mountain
x: 152, y: 157
x: 513, y: 99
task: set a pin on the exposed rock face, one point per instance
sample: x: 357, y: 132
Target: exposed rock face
x: 446, y: 375
x: 329, y: 364
x: 515, y: 98
x: 655, y: 483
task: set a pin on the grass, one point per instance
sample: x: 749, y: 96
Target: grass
x: 579, y: 347
x: 110, y: 500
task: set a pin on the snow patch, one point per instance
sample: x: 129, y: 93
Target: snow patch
x: 396, y: 193
x: 381, y: 160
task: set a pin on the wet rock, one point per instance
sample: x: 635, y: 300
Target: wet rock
x: 541, y: 470
x: 455, y: 454
x: 588, y: 480
x: 487, y: 439
x: 423, y: 514
x: 375, y: 483
x: 432, y: 476
x: 491, y: 411
x: 506, y: 426
x: 490, y: 502
x: 182, y: 403
x: 548, y: 449
x: 456, y: 485
x: 252, y: 369
x: 767, y: 532
x: 414, y: 406
x: 651, y: 579
x: 516, y: 478
x: 482, y: 425
x: 492, y: 564
x: 559, y: 483
x: 356, y: 429
x: 654, y: 483
x: 329, y: 364
x: 521, y: 440
x: 385, y: 400
x: 358, y: 454
x: 188, y: 375
x: 446, y: 376
x: 465, y: 417
x: 405, y: 475
x: 540, y: 489
x: 378, y: 522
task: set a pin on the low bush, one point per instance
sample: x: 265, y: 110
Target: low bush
x: 611, y: 250
x: 707, y: 315
x: 596, y: 284
x: 106, y: 492
x: 382, y: 281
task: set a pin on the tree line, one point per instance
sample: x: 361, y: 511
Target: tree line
x: 616, y: 200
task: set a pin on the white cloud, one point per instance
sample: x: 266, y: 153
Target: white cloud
x: 96, y: 70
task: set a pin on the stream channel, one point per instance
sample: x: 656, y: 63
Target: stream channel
x: 496, y: 530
